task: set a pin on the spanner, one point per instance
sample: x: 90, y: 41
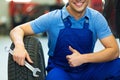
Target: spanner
x: 34, y: 70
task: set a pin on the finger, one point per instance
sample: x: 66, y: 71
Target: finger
x: 72, y: 49
x: 22, y: 62
x: 68, y: 57
x: 70, y: 64
x: 18, y: 60
x: 15, y: 58
x: 29, y: 59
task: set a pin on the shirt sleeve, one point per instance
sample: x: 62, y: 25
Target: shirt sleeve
x: 101, y: 26
x: 40, y: 24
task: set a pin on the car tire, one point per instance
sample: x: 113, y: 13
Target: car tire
x: 34, y: 48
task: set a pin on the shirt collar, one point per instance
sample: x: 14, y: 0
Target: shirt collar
x: 65, y: 13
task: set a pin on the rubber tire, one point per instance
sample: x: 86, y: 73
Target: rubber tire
x: 34, y: 48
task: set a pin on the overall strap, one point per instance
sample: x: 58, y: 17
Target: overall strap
x: 86, y: 23
x: 67, y: 23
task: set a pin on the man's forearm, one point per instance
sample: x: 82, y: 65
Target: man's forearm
x: 102, y: 56
x: 16, y: 36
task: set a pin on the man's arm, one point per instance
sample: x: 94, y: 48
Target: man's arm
x: 110, y: 52
x: 17, y: 35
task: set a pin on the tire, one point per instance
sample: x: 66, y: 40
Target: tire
x: 34, y: 48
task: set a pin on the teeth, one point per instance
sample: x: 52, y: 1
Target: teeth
x: 78, y: 4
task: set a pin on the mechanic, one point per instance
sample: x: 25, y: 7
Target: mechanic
x: 72, y: 34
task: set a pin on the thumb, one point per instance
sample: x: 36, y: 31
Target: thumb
x: 72, y: 49
x: 29, y: 59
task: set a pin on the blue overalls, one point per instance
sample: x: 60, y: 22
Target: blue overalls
x: 81, y: 40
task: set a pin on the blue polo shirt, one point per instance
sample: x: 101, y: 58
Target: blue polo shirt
x: 52, y: 23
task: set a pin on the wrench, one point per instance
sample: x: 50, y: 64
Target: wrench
x: 34, y: 70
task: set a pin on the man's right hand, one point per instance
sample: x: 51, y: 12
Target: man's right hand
x: 17, y: 34
x: 19, y: 56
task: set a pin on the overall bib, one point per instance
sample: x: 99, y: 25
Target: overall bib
x: 80, y: 39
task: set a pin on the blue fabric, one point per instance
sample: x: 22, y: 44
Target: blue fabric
x: 52, y: 24
x: 79, y: 39
x: 58, y: 74
x: 97, y: 71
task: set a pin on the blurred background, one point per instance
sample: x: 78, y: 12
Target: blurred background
x: 16, y: 12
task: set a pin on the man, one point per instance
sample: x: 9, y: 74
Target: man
x: 72, y: 33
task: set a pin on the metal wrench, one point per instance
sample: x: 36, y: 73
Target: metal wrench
x: 34, y: 70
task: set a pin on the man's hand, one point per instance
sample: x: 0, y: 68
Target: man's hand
x: 75, y: 59
x: 19, y: 56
